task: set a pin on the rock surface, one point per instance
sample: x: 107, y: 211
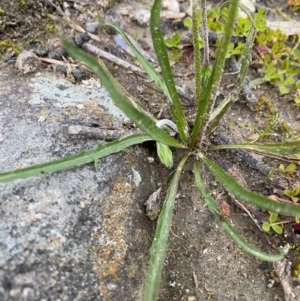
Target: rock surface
x: 75, y: 234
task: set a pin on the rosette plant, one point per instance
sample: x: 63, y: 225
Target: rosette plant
x: 193, y: 140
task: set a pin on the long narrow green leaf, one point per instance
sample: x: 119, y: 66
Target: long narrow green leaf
x: 136, y: 103
x: 210, y: 92
x: 153, y: 74
x: 163, y: 59
x: 243, y: 194
x: 84, y: 157
x: 212, y: 206
x: 160, y: 242
x: 246, y: 57
x: 143, y: 121
x: 281, y: 148
x: 219, y: 112
x: 197, y: 53
x: 165, y: 154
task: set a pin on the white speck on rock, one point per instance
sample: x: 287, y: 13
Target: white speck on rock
x: 80, y: 106
x: 42, y: 119
x: 136, y: 177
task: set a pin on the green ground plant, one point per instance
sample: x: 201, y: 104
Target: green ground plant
x: 272, y: 223
x: 266, y: 131
x: 278, y: 62
x: 174, y: 44
x: 293, y: 194
x: 288, y: 169
x: 193, y: 141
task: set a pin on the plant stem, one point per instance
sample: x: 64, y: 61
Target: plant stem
x: 281, y: 222
x: 164, y: 63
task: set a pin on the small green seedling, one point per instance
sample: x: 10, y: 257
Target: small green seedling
x: 232, y: 49
x: 173, y: 43
x: 276, y: 226
x: 268, y: 128
x: 282, y: 75
x: 289, y: 169
x: 294, y: 5
x: 293, y: 194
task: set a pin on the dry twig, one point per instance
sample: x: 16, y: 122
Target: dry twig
x: 283, y: 271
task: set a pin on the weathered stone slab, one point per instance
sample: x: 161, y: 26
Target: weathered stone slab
x: 75, y: 234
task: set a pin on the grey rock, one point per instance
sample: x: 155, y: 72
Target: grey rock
x: 78, y: 73
x: 171, y: 5
x: 27, y: 62
x: 56, y: 51
x: 38, y: 48
x: 80, y: 38
x: 92, y: 27
x: 142, y: 17
x: 60, y: 69
x: 76, y: 234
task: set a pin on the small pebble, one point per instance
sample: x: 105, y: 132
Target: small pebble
x: 38, y: 48
x: 113, y: 49
x: 61, y: 69
x: 27, y: 62
x: 142, y: 17
x: 56, y: 51
x: 58, y: 54
x: 92, y: 27
x: 78, y: 74
x: 54, y: 44
x: 80, y: 38
x: 171, y: 5
x: 150, y: 159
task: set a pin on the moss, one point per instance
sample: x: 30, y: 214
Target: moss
x: 285, y: 129
x: 1, y: 10
x: 8, y: 43
x: 19, y: 5
x: 44, y: 33
x: 110, y: 3
x: 97, y: 17
x: 50, y: 27
x: 265, y: 105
